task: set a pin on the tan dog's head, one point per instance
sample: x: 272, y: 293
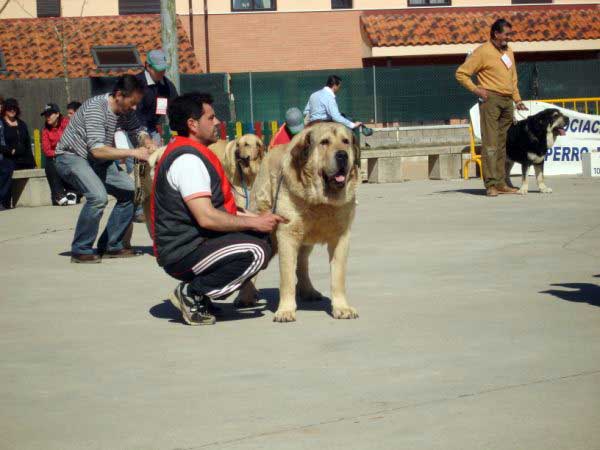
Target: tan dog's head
x: 324, y: 157
x: 247, y: 153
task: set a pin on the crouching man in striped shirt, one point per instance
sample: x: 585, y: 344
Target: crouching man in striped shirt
x: 85, y: 158
x: 199, y: 236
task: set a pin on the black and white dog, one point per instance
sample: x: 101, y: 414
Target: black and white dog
x: 528, y: 141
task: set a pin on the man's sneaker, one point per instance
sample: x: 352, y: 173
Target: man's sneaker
x: 71, y: 198
x: 63, y: 201
x: 193, y: 308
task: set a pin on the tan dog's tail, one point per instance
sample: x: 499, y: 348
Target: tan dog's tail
x: 146, y: 175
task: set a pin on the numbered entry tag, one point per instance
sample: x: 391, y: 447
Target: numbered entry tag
x: 506, y: 60
x: 161, y: 106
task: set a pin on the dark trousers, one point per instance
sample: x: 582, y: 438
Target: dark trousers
x: 219, y: 266
x: 57, y: 186
x: 7, y: 167
x: 496, y: 117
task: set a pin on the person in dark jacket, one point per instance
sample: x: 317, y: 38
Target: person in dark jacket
x: 199, y: 236
x: 7, y: 168
x: 159, y: 91
x: 16, y: 136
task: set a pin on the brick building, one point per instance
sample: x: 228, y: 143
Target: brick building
x: 282, y: 35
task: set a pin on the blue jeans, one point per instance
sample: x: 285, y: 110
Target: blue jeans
x: 95, y: 180
x: 7, y: 167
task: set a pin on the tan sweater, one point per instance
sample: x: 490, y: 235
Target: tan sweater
x: 492, y: 73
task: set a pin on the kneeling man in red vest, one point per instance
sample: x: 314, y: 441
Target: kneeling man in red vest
x: 199, y: 235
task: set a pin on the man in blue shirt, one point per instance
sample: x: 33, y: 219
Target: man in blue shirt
x: 322, y: 106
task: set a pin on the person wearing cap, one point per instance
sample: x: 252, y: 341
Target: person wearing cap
x: 294, y: 124
x: 322, y: 105
x: 159, y: 91
x: 54, y: 126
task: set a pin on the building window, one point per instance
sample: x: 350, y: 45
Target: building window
x: 48, y: 8
x: 429, y: 2
x: 116, y: 57
x: 524, y: 2
x: 139, y: 7
x: 2, y: 63
x: 341, y: 4
x: 253, y: 5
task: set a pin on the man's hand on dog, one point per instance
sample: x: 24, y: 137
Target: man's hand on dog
x: 521, y: 106
x: 142, y: 153
x: 267, y: 222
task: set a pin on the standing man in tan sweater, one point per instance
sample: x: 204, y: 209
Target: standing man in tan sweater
x: 497, y: 89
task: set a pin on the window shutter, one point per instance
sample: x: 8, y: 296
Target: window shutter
x: 139, y: 7
x: 48, y: 8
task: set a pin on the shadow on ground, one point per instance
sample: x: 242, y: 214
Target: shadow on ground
x: 268, y: 301
x: 579, y: 293
x: 140, y: 249
x: 478, y: 192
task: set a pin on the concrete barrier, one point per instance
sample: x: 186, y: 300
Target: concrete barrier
x: 30, y: 188
x: 420, y: 136
x: 412, y: 163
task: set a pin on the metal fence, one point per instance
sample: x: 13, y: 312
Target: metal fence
x: 408, y: 95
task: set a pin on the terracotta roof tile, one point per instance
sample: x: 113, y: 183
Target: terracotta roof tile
x: 32, y: 49
x: 434, y: 26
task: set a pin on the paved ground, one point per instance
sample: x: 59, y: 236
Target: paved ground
x: 479, y: 329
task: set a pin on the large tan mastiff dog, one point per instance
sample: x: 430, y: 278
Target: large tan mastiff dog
x: 312, y: 182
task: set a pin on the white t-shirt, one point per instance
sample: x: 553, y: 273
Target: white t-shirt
x: 188, y: 175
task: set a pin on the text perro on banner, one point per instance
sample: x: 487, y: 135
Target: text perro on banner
x: 564, y: 158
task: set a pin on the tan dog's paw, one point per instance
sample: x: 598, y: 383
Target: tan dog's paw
x: 285, y: 316
x: 346, y: 312
x: 308, y: 295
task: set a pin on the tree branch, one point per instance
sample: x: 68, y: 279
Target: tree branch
x: 4, y: 6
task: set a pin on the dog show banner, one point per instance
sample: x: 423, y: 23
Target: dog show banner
x: 564, y: 158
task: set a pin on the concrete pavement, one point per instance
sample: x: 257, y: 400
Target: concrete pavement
x: 479, y: 329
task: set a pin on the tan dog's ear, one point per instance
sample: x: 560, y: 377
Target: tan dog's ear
x: 301, y: 152
x: 236, y: 151
x: 261, y: 147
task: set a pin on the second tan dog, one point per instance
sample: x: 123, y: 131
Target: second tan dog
x: 241, y: 160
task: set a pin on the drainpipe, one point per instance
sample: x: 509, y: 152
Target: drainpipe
x: 191, y: 14
x: 206, y: 46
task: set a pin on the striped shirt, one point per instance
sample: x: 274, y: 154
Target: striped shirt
x: 94, y: 125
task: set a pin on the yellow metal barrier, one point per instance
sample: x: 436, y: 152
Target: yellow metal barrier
x: 473, y: 156
x: 587, y: 101
x: 37, y: 148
